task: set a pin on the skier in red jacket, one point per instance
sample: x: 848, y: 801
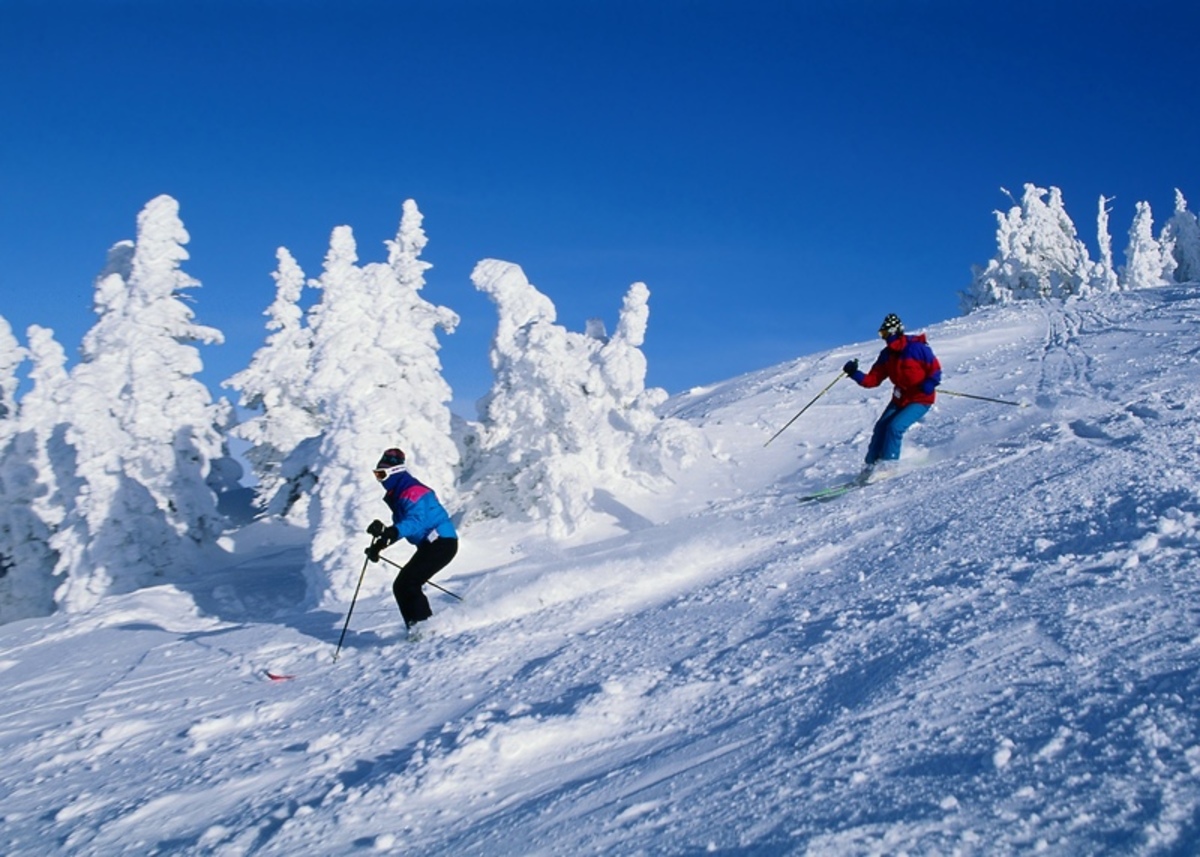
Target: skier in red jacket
x: 909, y: 363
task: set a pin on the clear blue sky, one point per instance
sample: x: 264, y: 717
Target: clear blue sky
x: 781, y: 174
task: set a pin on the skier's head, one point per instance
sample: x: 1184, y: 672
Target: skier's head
x: 392, y: 461
x: 892, y: 326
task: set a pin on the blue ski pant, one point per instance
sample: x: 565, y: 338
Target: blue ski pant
x: 890, y: 429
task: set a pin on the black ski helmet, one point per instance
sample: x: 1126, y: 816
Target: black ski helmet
x: 892, y: 326
x: 393, y: 457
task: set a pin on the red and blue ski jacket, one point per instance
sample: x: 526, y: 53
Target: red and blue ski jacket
x: 416, y: 511
x: 910, y: 364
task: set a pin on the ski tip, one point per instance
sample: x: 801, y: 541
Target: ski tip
x: 278, y: 676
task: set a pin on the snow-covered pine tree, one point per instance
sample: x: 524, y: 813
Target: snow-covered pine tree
x: 653, y: 443
x: 532, y: 458
x: 1146, y: 265
x: 1067, y: 270
x: 38, y: 460
x: 143, y: 429
x: 567, y: 412
x: 1040, y: 255
x: 409, y: 327
x: 621, y: 366
x: 1105, y: 276
x: 1180, y: 240
x: 376, y: 375
x: 276, y: 384
x: 12, y: 355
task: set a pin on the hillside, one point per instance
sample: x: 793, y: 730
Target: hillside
x: 994, y: 653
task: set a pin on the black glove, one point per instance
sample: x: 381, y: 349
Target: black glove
x: 375, y: 529
x: 851, y: 367
x: 389, y: 535
x: 373, y: 551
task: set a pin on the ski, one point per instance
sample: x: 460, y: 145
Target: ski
x: 278, y: 676
x: 830, y: 493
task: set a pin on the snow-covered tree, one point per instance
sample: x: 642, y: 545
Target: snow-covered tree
x: 143, y: 429
x: 1180, y: 242
x: 38, y: 461
x: 1105, y: 276
x: 533, y: 454
x: 276, y: 383
x: 376, y: 378
x: 1145, y: 263
x: 567, y: 413
x: 12, y: 355
x: 409, y: 331
x: 1040, y: 255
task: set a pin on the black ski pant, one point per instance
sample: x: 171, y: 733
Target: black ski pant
x: 430, y: 558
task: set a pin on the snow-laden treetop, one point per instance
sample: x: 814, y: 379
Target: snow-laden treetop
x: 1040, y: 254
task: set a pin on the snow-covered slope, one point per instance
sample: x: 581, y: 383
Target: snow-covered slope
x: 993, y: 653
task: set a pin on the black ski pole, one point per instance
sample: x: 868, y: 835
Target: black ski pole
x: 350, y: 612
x: 983, y: 398
x: 430, y: 582
x: 806, y: 407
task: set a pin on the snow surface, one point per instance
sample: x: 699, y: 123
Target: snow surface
x: 995, y: 652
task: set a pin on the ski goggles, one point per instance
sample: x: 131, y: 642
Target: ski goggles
x: 382, y: 473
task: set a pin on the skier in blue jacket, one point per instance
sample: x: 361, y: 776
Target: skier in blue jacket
x: 420, y: 519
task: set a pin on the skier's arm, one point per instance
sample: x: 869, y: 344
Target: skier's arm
x: 876, y: 375
x: 932, y: 379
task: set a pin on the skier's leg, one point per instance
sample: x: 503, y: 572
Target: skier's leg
x: 878, y: 436
x: 414, y: 606
x: 430, y: 558
x: 902, y: 420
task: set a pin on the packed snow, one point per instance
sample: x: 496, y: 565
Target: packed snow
x: 993, y: 652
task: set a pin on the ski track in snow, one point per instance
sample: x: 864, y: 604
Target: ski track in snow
x: 994, y: 653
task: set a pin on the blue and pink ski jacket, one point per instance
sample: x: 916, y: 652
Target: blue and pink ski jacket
x: 910, y: 364
x: 416, y: 511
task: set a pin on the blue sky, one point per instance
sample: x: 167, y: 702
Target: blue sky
x: 780, y: 174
